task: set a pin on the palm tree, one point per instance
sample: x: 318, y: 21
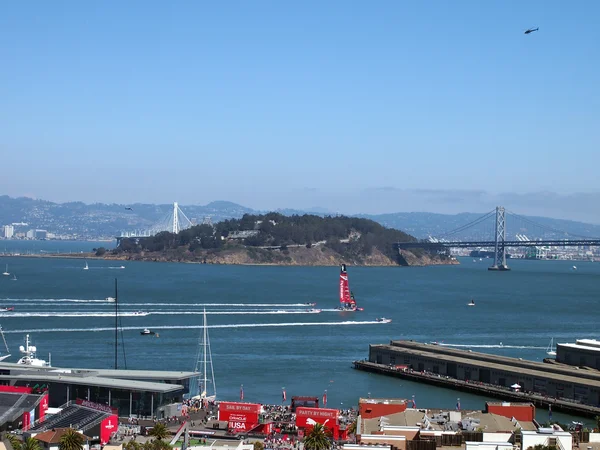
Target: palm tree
x: 159, y: 431
x: 31, y: 444
x: 15, y: 442
x: 317, y: 438
x: 71, y: 440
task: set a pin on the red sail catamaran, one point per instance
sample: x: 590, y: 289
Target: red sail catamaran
x: 347, y: 301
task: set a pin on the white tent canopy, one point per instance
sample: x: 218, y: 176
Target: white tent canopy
x: 516, y: 386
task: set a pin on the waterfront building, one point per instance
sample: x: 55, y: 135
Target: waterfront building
x: 550, y: 380
x: 130, y: 392
x: 584, y: 353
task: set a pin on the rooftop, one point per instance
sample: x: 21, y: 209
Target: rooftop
x: 384, y: 401
x: 109, y: 373
x: 461, y: 357
x: 53, y: 436
x: 96, y: 381
x: 584, y: 344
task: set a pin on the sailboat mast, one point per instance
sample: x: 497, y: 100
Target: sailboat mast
x: 116, y: 326
x: 204, y: 385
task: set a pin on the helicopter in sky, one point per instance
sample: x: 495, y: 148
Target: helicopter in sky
x: 531, y: 30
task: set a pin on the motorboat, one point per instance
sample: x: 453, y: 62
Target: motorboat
x: 110, y: 299
x: 140, y: 313
x: 471, y: 303
x: 122, y: 267
x: 6, y: 308
x: 383, y: 320
x: 310, y: 304
x: 314, y: 311
x: 574, y: 267
x: 147, y: 332
x: 29, y: 358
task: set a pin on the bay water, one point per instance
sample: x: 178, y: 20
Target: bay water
x: 262, y: 334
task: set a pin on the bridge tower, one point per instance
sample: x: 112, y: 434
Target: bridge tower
x: 500, y: 249
x: 175, y: 218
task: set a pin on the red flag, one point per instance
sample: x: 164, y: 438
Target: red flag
x: 283, y: 395
x: 242, y: 392
x: 325, y: 398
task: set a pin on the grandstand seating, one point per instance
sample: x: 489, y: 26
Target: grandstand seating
x: 72, y: 416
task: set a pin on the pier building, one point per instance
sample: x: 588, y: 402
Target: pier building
x: 130, y: 392
x: 555, y: 381
x: 583, y: 353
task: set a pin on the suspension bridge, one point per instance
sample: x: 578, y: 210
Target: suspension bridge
x: 500, y: 243
x: 174, y: 221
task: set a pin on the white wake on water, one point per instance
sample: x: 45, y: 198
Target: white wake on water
x: 34, y: 301
x: 195, y: 327
x: 10, y: 314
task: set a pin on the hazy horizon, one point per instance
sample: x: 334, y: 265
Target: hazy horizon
x: 352, y: 107
x: 542, y: 204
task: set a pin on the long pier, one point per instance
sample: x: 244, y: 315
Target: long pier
x: 480, y: 389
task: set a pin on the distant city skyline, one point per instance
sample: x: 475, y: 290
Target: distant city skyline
x: 351, y: 107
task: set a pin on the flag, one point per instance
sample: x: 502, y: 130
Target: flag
x: 458, y: 405
x: 242, y: 392
x: 283, y: 395
x: 325, y: 398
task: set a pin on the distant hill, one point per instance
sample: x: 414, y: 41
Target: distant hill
x: 99, y: 220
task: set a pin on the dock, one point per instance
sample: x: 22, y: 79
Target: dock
x: 473, y: 387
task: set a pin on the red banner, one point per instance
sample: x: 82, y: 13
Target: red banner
x: 96, y: 406
x: 18, y: 389
x: 240, y: 417
x: 26, y: 421
x: 107, y: 427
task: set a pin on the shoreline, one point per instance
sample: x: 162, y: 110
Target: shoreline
x: 91, y: 256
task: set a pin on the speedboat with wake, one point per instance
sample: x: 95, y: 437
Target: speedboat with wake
x: 310, y: 304
x: 383, y: 320
x: 347, y: 301
x: 147, y: 332
x: 6, y: 308
x: 314, y: 311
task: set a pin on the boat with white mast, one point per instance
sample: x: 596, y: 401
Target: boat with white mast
x: 203, y: 360
x: 3, y: 357
x: 6, y: 272
x: 29, y: 358
x: 551, y: 351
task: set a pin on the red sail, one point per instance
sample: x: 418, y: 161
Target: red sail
x: 345, y: 298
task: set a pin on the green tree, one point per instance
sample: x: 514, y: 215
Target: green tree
x: 71, y: 440
x: 132, y: 445
x: 259, y: 446
x: 31, y: 444
x: 317, y: 438
x: 100, y: 251
x: 352, y: 427
x: 15, y: 442
x: 160, y: 445
x: 159, y: 431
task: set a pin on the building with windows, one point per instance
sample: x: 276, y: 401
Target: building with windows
x: 142, y: 393
x: 8, y: 231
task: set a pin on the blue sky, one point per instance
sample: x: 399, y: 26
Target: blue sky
x: 297, y: 104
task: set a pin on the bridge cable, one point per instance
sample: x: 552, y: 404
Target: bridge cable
x: 467, y: 225
x: 547, y: 227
